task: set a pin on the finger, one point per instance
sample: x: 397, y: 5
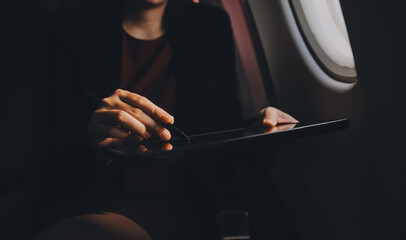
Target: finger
x: 149, y: 123
x: 286, y: 118
x: 273, y: 117
x: 136, y: 137
x: 111, y: 142
x: 270, y: 117
x: 141, y: 149
x: 109, y: 131
x: 122, y: 119
x: 167, y: 147
x: 147, y: 106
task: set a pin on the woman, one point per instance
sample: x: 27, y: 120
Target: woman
x: 118, y: 73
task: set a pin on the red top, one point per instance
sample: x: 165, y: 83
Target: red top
x: 147, y: 70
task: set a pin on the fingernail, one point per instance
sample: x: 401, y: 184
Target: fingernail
x: 166, y: 135
x: 167, y: 118
x: 167, y: 147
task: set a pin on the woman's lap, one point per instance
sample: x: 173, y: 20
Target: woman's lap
x: 129, y: 222
x: 105, y: 225
x: 178, y: 210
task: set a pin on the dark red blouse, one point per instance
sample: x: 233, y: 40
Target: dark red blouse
x: 147, y: 70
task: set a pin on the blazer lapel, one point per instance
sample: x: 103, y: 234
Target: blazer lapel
x: 109, y: 52
x: 185, y: 60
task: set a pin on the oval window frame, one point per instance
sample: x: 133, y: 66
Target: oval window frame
x: 335, y: 71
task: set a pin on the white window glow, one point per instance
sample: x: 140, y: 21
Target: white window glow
x: 322, y: 23
x: 326, y: 22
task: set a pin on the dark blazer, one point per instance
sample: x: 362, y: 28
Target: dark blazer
x: 87, y: 48
x: 84, y: 65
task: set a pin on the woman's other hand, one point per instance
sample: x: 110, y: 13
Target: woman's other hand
x: 271, y: 117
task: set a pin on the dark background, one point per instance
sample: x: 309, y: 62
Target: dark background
x: 378, y: 35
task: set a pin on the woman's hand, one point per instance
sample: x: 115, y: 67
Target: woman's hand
x: 125, y: 114
x: 271, y: 117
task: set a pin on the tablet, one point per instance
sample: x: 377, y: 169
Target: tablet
x: 152, y: 151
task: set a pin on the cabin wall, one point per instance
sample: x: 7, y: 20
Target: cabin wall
x: 334, y: 185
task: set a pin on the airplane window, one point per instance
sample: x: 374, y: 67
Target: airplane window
x: 323, y: 26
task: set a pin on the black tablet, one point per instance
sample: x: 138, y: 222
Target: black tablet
x: 150, y: 151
